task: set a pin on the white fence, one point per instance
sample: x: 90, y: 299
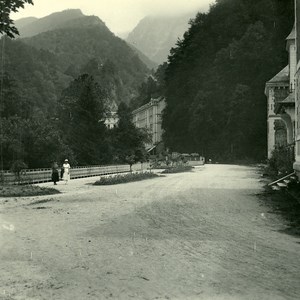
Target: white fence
x: 44, y: 175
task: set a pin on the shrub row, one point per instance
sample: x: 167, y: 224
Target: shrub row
x: 125, y: 178
x: 25, y: 191
x: 177, y: 169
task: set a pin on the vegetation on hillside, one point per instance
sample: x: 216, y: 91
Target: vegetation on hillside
x: 56, y: 87
x: 216, y: 75
x: 152, y: 87
x: 76, y: 130
x: 55, y: 90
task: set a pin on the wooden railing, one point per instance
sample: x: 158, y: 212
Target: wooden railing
x: 43, y: 175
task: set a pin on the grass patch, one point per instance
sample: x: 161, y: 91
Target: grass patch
x: 177, y: 169
x: 116, y: 179
x: 25, y: 190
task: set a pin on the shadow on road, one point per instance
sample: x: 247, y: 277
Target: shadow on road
x: 281, y: 203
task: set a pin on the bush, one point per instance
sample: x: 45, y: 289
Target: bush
x: 281, y: 162
x: 25, y: 191
x: 125, y: 178
x: 18, y: 167
x: 177, y: 169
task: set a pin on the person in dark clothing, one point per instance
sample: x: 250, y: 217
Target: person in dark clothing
x: 55, y: 174
x: 61, y: 173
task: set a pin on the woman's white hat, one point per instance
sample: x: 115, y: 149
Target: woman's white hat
x: 66, y: 160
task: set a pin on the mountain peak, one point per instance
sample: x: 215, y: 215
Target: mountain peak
x: 67, y: 13
x: 155, y: 35
x: 50, y: 22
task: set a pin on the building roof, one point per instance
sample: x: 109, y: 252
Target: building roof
x: 149, y: 104
x: 281, y: 77
x: 292, y: 35
x: 288, y: 101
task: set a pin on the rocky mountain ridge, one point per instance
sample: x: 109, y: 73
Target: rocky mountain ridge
x: 32, y: 26
x: 156, y: 35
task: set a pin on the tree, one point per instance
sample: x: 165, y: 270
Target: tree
x: 81, y: 115
x: 6, y: 23
x: 152, y: 87
x: 214, y: 80
x: 36, y: 141
x: 129, y: 141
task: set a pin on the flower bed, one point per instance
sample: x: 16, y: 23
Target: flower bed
x: 25, y: 190
x: 125, y: 178
x: 177, y: 169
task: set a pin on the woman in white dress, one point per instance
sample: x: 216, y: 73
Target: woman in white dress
x: 66, y: 174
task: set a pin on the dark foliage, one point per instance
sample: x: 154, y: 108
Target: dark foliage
x: 125, y: 178
x: 81, y: 110
x: 281, y: 162
x: 85, y: 45
x: 177, y: 169
x: 216, y: 75
x: 6, y: 23
x: 152, y: 87
x: 49, y: 110
x: 128, y: 142
x: 25, y: 191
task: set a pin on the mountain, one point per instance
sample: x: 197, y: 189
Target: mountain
x: 32, y: 26
x: 75, y: 69
x: 33, y: 80
x: 145, y: 59
x: 123, y: 35
x: 25, y: 21
x: 155, y: 36
x: 86, y: 45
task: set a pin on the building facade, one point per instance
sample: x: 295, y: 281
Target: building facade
x: 280, y: 92
x: 149, y: 116
x: 297, y: 89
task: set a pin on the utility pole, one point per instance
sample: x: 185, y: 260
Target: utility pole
x: 1, y: 103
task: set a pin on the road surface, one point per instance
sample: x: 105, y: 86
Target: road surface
x: 204, y: 234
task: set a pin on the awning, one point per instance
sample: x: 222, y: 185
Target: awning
x: 288, y: 101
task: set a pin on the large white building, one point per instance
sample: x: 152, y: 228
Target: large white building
x: 287, y: 110
x: 297, y: 89
x: 149, y: 116
x: 280, y: 92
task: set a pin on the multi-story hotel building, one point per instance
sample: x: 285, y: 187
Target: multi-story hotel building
x: 149, y: 117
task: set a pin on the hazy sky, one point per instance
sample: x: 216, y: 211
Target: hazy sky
x: 119, y: 15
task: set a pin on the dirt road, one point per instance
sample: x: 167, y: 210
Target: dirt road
x: 198, y: 235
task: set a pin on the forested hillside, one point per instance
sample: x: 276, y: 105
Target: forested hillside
x: 85, y: 39
x: 32, y: 26
x: 216, y: 75
x: 38, y: 73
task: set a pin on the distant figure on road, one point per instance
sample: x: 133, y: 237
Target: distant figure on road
x: 66, y: 174
x: 55, y: 175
